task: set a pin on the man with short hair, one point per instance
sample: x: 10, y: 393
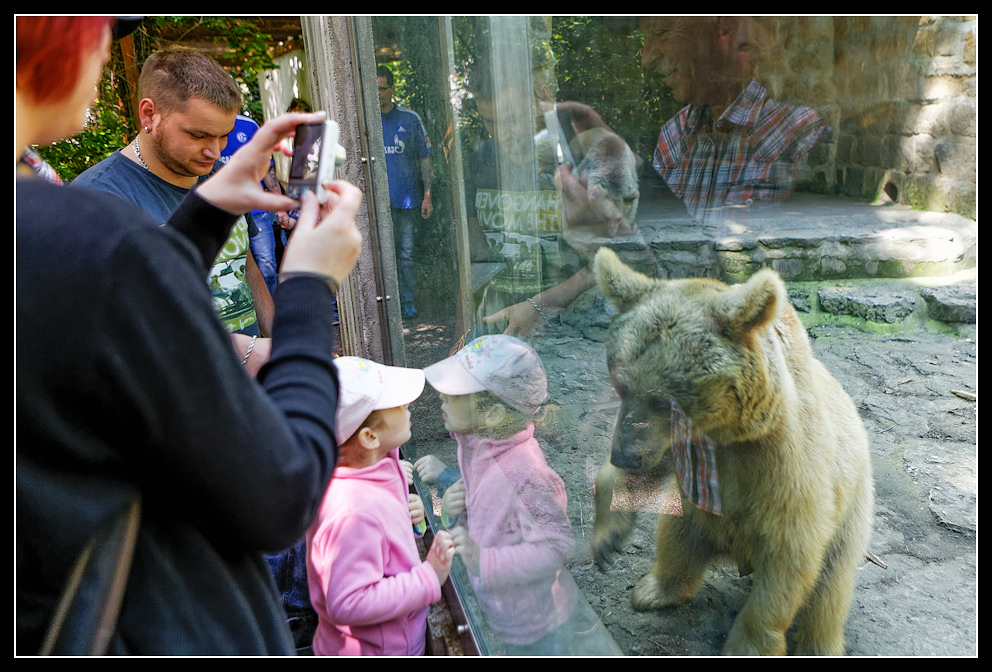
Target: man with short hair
x: 187, y: 107
x: 407, y: 145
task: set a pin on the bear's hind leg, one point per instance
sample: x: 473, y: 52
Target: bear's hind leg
x: 683, y: 554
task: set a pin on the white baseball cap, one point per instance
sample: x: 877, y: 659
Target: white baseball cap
x: 365, y: 386
x: 501, y: 364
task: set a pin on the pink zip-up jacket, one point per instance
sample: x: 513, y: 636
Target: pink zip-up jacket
x: 367, y: 583
x: 516, y: 512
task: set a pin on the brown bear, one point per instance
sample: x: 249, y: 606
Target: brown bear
x: 719, y: 389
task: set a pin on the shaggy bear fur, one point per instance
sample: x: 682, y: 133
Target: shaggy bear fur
x: 791, y: 451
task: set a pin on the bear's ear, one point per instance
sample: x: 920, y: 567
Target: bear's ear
x: 621, y: 284
x: 751, y: 306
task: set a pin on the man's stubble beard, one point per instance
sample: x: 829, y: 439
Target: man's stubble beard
x: 167, y: 160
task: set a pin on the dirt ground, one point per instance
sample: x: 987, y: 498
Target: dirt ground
x: 918, y: 598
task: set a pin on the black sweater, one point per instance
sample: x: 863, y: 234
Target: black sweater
x: 127, y: 383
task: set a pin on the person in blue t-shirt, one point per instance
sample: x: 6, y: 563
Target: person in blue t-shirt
x: 263, y: 243
x: 406, y: 141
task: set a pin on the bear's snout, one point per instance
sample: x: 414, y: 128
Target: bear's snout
x: 640, y: 437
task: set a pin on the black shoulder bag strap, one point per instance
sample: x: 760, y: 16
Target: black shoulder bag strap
x: 86, y: 615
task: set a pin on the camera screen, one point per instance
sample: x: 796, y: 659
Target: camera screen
x: 306, y: 152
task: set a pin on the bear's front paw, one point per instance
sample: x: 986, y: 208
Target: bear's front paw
x: 652, y: 593
x: 608, y: 539
x: 647, y: 595
x: 603, y: 548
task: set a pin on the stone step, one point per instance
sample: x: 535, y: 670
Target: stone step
x: 877, y: 267
x: 810, y: 237
x: 892, y: 304
x: 942, y: 304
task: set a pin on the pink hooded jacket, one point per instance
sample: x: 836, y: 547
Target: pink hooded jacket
x: 367, y: 583
x: 516, y: 512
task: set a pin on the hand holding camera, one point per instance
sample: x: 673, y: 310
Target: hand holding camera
x: 316, y: 154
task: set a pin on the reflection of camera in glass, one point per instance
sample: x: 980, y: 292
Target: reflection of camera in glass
x: 316, y: 154
x: 559, y: 125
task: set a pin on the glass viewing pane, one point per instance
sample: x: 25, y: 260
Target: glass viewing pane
x: 701, y: 147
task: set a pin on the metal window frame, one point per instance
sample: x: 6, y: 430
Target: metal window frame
x: 337, y: 50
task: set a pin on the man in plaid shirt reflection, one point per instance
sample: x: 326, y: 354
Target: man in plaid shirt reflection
x: 732, y: 145
x: 751, y: 154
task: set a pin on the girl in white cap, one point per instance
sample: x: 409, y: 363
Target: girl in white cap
x: 367, y: 583
x: 513, y: 532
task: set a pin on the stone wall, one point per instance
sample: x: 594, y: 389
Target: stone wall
x: 899, y: 93
x: 795, y: 61
x: 906, y: 87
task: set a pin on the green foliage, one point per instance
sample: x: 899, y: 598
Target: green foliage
x: 109, y: 126
x: 106, y: 130
x: 471, y: 37
x: 599, y: 63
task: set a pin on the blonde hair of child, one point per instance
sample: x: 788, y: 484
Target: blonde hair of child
x: 372, y: 422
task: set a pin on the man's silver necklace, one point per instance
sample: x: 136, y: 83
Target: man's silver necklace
x: 138, y: 154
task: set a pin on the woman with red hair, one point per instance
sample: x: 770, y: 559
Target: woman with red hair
x: 62, y: 71
x: 128, y: 390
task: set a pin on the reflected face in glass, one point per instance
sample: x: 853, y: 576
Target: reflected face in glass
x: 459, y: 413
x: 487, y: 113
x: 512, y: 131
x: 692, y: 55
x: 671, y: 50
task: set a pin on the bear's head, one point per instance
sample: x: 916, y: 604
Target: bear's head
x: 705, y: 345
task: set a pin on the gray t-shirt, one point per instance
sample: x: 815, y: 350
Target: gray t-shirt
x: 233, y: 301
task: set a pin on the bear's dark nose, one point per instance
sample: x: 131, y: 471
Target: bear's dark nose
x: 625, y: 459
